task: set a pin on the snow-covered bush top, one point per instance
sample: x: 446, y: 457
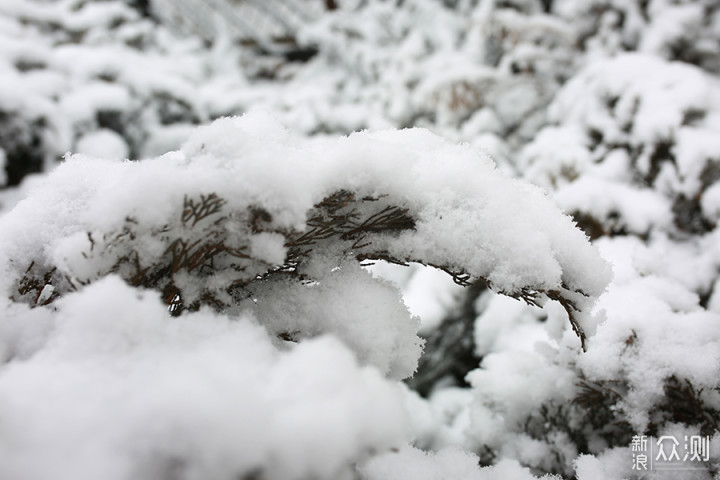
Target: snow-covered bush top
x: 246, y: 205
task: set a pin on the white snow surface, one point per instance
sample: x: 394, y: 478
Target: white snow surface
x: 117, y: 390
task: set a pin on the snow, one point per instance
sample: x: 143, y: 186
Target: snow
x: 556, y: 157
x: 509, y: 384
x: 467, y: 214
x: 490, y: 327
x: 555, y: 149
x: 81, y: 105
x: 268, y: 247
x: 103, y: 144
x: 623, y: 207
x: 677, y: 321
x: 376, y: 325
x: 607, y: 465
x: 429, y: 294
x: 134, y: 394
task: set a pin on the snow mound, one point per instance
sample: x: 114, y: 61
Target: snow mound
x: 116, y: 390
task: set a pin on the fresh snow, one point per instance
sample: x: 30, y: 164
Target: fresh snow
x: 558, y: 151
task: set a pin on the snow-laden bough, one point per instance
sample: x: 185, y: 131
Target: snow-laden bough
x: 246, y: 214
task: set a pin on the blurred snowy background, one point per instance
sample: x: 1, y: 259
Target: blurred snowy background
x: 612, y: 107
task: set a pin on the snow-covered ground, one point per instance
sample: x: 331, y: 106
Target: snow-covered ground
x: 228, y: 304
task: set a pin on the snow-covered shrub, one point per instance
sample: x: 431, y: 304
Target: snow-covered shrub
x: 101, y: 67
x: 27, y: 116
x: 631, y: 152
x: 685, y: 30
x: 632, y: 155
x: 492, y: 69
x: 76, y: 72
x: 216, y: 301
x: 643, y: 128
x: 251, y: 225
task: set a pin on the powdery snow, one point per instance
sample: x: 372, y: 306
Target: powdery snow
x: 135, y: 394
x: 279, y: 357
